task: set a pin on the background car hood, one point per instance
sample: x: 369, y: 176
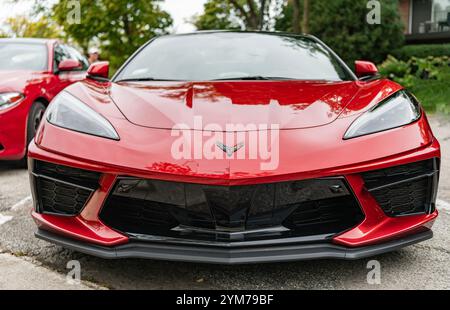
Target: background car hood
x: 15, y: 80
x: 288, y: 104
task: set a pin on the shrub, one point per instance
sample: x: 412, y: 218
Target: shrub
x: 422, y: 51
x: 428, y: 78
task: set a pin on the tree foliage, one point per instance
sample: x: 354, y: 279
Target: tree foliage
x: 118, y: 27
x: 217, y: 14
x: 23, y: 27
x: 237, y: 14
x: 342, y: 24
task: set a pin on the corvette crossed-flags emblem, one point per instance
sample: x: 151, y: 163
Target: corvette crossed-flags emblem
x: 229, y: 150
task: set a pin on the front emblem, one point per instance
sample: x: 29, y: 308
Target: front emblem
x: 230, y: 149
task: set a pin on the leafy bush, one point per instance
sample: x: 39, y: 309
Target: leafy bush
x: 428, y: 78
x: 422, y: 51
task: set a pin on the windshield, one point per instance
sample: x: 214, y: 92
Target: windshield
x: 216, y: 56
x: 22, y: 56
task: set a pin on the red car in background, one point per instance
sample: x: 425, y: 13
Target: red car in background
x: 32, y: 72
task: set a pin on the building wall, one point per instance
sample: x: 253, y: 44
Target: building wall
x: 404, y: 13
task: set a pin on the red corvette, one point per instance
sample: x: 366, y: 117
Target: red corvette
x: 234, y: 147
x: 32, y: 73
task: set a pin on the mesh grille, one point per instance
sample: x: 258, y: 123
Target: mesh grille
x: 60, y: 198
x: 406, y: 189
x: 62, y: 190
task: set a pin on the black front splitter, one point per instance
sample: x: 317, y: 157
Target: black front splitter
x: 248, y: 255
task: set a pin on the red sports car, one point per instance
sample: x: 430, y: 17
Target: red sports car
x: 32, y: 73
x: 234, y: 147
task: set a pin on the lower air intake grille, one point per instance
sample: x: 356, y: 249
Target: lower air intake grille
x: 325, y: 216
x: 231, y: 213
x: 138, y: 216
x: 59, y: 198
x: 62, y: 190
x: 76, y: 176
x: 406, y: 189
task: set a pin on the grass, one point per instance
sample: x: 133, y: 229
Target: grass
x: 434, y: 95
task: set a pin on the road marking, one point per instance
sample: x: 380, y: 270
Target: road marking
x: 21, y: 203
x: 5, y: 218
x: 443, y: 205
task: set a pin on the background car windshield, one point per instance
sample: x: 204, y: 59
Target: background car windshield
x: 18, y: 56
x: 233, y: 55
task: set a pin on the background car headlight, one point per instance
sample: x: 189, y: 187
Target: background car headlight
x: 8, y: 100
x: 398, y: 110
x: 69, y: 112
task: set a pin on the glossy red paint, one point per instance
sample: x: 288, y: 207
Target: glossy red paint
x: 99, y: 69
x: 148, y: 149
x: 80, y: 229
x: 365, y: 68
x: 144, y: 151
x: 40, y: 86
x: 69, y: 65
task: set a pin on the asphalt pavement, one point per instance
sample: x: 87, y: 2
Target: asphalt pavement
x: 29, y: 263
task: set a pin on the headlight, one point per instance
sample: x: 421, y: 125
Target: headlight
x: 398, y: 110
x: 8, y: 100
x: 69, y: 112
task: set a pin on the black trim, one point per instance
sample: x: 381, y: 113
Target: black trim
x: 98, y: 78
x: 262, y: 254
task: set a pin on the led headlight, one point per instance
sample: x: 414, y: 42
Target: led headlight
x: 8, y: 100
x: 398, y: 110
x: 69, y: 112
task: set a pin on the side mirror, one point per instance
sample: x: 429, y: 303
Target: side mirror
x: 69, y: 65
x: 365, y: 69
x: 99, y: 70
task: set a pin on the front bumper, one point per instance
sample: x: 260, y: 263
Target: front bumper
x: 384, y: 226
x: 262, y: 254
x: 376, y: 233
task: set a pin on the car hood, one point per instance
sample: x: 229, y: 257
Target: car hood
x: 222, y: 105
x: 15, y: 80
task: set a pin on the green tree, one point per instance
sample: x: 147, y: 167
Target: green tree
x: 342, y: 24
x: 295, y: 11
x: 119, y: 27
x: 217, y: 15
x: 237, y: 14
x: 23, y: 27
